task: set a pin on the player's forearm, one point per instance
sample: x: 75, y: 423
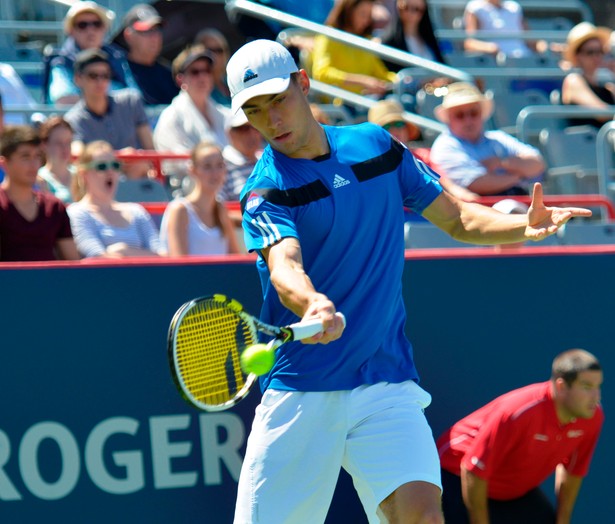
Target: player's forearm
x: 291, y: 282
x: 474, y: 490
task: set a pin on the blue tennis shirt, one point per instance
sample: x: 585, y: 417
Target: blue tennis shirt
x: 346, y: 210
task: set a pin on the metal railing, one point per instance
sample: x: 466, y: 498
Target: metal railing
x: 527, y: 114
x: 389, y: 53
x: 366, y: 102
x: 604, y: 157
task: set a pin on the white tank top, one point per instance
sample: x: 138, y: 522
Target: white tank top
x: 202, y: 239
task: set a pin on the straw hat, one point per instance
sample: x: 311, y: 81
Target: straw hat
x: 107, y: 16
x: 580, y: 34
x: 460, y: 94
x: 388, y: 111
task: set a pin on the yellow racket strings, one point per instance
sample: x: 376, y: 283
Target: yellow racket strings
x: 208, y: 342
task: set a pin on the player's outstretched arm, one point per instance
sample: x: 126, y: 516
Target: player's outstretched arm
x: 297, y: 292
x: 544, y: 221
x: 478, y: 224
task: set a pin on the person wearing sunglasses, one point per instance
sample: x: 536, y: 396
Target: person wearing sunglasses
x: 485, y: 162
x: 413, y: 32
x: 142, y: 35
x: 217, y: 44
x: 585, y: 51
x: 117, y: 117
x: 86, y: 25
x: 193, y: 116
x: 102, y: 226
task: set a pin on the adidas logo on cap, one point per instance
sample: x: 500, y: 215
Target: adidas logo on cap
x: 249, y: 75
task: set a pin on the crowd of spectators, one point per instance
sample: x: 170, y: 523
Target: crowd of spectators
x: 103, y: 91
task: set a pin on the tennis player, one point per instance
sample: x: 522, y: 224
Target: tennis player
x: 495, y: 459
x: 323, y: 209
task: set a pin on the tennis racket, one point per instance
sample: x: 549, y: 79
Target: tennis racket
x: 206, y: 338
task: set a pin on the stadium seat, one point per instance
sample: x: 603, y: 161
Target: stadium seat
x: 141, y: 190
x: 462, y: 60
x: 508, y: 104
x: 570, y: 154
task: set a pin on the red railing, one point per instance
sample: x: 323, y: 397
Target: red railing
x: 155, y: 157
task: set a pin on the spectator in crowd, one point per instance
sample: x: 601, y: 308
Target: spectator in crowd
x: 193, y: 116
x: 241, y: 154
x: 586, y: 46
x: 14, y: 93
x: 389, y: 115
x: 33, y: 225
x: 86, y: 24
x: 485, y: 162
x: 1, y: 131
x: 346, y: 66
x: 495, y: 459
x: 102, y: 226
x: 495, y: 15
x: 217, y: 45
x: 143, y: 36
x: 117, y: 117
x: 413, y: 32
x: 199, y: 223
x: 56, y: 175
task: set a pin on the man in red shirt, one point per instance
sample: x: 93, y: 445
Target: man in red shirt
x: 494, y: 460
x: 33, y: 225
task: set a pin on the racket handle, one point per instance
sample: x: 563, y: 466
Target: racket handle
x: 309, y: 328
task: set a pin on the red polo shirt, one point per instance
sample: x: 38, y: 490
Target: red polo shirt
x: 516, y: 441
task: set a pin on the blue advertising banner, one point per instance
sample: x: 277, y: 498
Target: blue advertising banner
x: 93, y: 430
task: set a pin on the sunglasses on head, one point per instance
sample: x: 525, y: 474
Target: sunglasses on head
x: 105, y: 165
x: 84, y: 24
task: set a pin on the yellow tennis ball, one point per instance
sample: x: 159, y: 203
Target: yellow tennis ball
x: 257, y: 359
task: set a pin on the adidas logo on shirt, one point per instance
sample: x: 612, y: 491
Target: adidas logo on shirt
x: 339, y: 181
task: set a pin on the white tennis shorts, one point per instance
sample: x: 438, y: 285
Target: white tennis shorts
x: 299, y: 441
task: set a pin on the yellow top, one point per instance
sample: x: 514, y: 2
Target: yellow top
x: 333, y: 60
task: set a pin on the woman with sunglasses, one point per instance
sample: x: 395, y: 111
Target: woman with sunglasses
x: 217, y: 44
x: 585, y: 50
x: 86, y: 25
x: 103, y: 227
x: 413, y: 32
x: 199, y: 223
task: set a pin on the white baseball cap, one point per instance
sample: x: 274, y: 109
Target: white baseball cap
x: 260, y: 67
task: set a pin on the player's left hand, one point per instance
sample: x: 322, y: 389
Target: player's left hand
x: 544, y: 221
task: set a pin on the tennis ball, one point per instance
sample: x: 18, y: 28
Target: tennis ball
x: 257, y: 359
